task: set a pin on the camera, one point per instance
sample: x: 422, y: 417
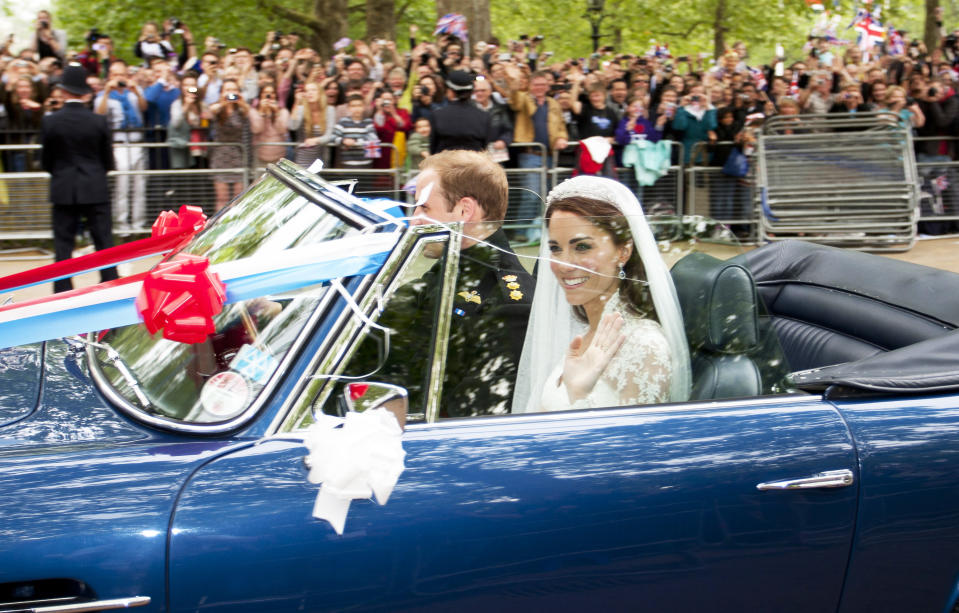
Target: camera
x: 94, y: 35
x: 683, y: 58
x: 44, y: 24
x: 524, y: 36
x: 560, y: 87
x: 642, y: 61
x: 192, y: 90
x: 933, y: 92
x: 277, y: 34
x: 232, y: 97
x: 537, y: 38
x: 695, y: 98
x: 910, y: 101
x: 505, y: 57
x: 422, y: 91
x: 121, y: 83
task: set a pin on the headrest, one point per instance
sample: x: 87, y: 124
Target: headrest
x: 719, y: 303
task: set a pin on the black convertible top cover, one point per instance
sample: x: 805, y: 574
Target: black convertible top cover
x: 930, y: 294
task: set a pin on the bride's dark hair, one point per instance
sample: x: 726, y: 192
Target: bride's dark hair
x: 605, y: 216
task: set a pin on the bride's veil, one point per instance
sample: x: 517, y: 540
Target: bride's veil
x: 552, y: 325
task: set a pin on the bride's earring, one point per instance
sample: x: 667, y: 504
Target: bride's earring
x: 622, y: 272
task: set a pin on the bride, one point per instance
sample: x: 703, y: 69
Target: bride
x: 605, y: 327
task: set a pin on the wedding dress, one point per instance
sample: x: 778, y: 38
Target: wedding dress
x: 639, y: 373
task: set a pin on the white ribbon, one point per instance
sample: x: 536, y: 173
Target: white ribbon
x: 362, y: 458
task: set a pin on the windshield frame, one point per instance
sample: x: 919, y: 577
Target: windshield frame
x: 342, y: 205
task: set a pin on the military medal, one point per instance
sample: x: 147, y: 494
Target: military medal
x: 472, y: 296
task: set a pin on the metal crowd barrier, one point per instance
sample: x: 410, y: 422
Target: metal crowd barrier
x: 860, y: 187
x: 24, y: 196
x: 713, y: 194
x: 844, y: 180
x: 938, y: 176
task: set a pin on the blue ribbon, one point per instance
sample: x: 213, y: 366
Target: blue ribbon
x: 122, y: 312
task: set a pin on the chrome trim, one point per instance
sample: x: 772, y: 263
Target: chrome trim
x: 829, y: 479
x: 348, y: 331
x: 81, y: 607
x: 126, y: 407
x: 482, y: 420
x: 443, y: 319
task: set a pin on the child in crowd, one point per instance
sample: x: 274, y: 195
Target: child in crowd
x: 353, y: 134
x: 418, y: 147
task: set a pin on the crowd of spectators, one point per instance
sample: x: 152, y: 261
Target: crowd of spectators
x: 343, y: 109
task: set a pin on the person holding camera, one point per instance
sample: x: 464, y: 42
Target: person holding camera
x: 269, y: 125
x: 186, y: 120
x: 389, y: 121
x: 848, y: 102
x: 428, y: 97
x: 695, y: 120
x: 908, y: 110
x: 47, y: 41
x: 124, y: 104
x: 231, y: 123
x: 151, y: 43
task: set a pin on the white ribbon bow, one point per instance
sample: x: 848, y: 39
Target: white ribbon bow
x: 362, y: 458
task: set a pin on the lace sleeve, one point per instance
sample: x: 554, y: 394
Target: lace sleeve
x: 640, y: 372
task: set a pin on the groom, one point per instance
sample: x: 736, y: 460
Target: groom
x: 493, y: 290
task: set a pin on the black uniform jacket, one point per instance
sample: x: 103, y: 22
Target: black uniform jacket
x: 487, y: 329
x: 77, y: 152
x: 461, y: 125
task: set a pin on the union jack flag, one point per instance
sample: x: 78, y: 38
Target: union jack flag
x: 371, y: 149
x: 897, y: 46
x: 452, y: 23
x: 870, y: 31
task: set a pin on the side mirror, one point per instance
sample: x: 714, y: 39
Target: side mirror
x: 365, y: 395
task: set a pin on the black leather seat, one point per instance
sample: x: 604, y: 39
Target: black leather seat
x: 721, y: 312
x: 830, y: 306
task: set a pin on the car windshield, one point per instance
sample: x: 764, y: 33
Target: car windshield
x: 218, y: 379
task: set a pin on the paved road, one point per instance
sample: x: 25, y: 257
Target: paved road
x: 938, y: 252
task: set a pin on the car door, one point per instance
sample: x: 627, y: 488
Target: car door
x: 650, y: 508
x: 653, y: 508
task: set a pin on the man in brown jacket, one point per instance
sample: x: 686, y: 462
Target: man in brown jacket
x: 539, y: 119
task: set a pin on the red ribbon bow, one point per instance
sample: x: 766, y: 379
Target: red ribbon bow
x: 180, y: 297
x: 190, y: 219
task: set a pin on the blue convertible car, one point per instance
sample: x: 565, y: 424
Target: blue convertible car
x: 813, y: 470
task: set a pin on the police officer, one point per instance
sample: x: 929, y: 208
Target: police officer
x: 460, y: 124
x: 78, y: 153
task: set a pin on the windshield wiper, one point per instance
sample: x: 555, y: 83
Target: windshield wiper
x: 118, y: 363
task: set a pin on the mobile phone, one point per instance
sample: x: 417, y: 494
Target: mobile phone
x: 505, y: 57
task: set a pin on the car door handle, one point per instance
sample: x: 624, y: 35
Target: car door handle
x: 825, y: 480
x: 82, y: 607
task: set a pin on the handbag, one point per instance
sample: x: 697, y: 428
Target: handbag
x: 737, y: 164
